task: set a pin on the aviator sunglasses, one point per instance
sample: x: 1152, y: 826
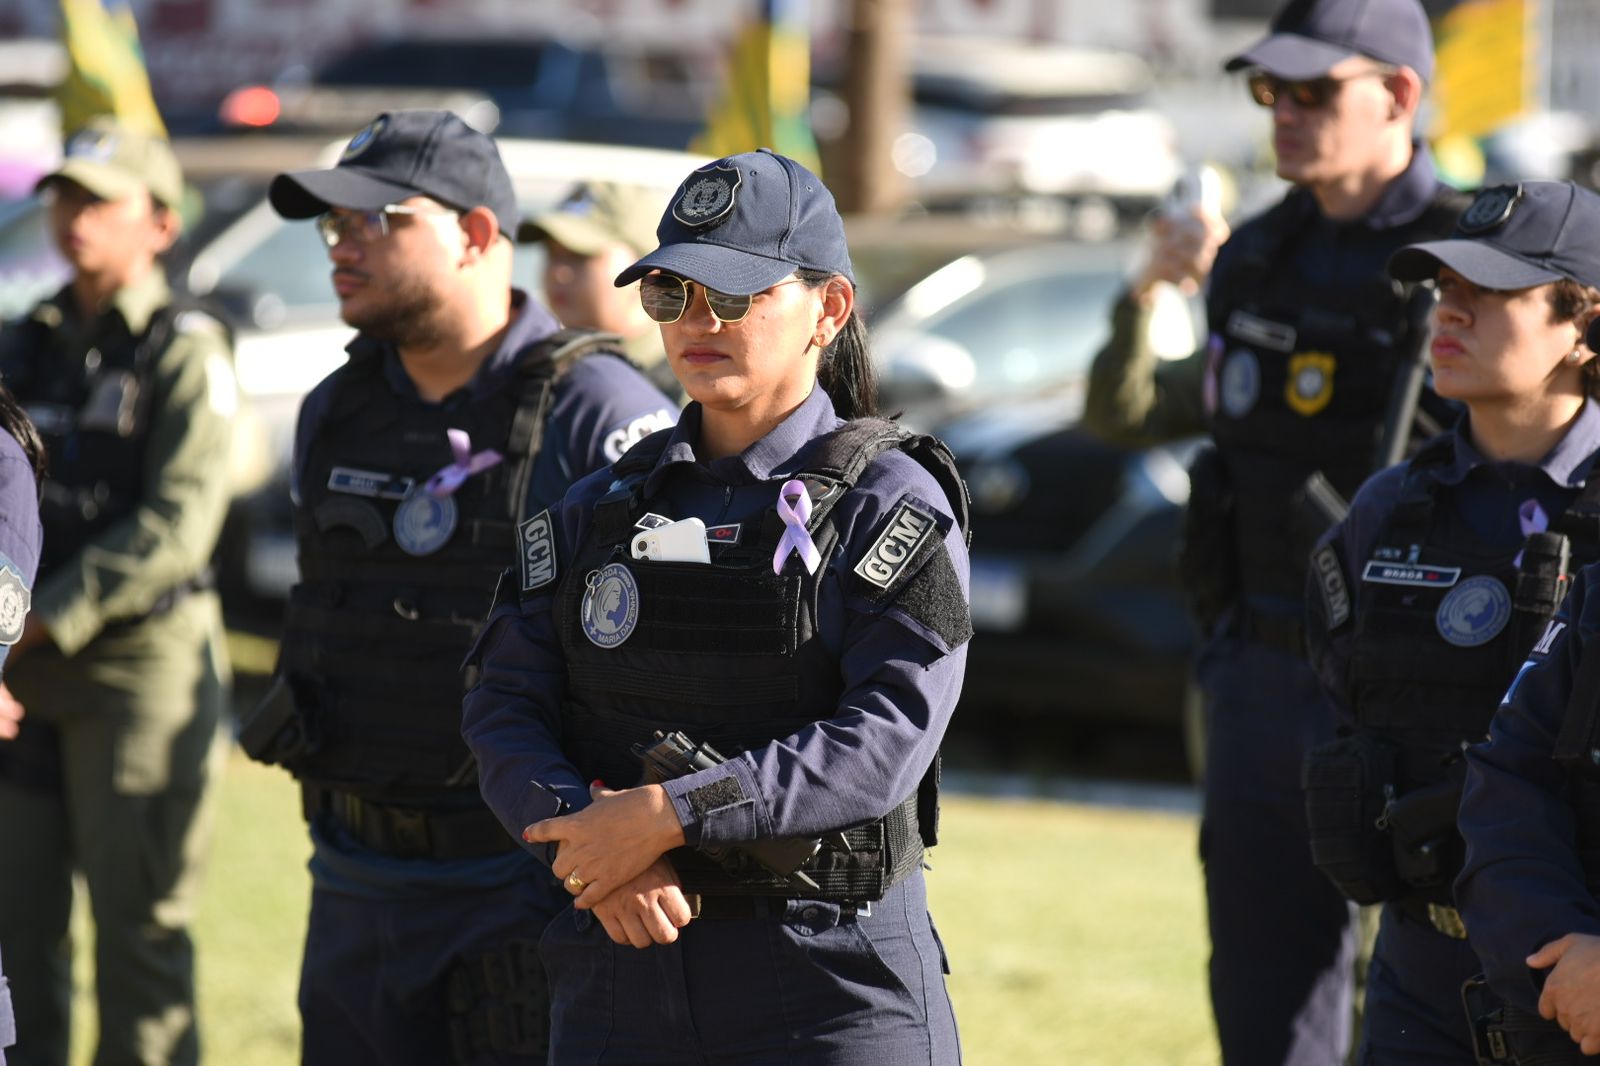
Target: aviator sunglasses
x: 666, y: 296
x: 367, y: 226
x: 1310, y: 93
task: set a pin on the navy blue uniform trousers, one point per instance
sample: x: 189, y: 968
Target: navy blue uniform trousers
x: 1283, y: 939
x: 1413, y: 1009
x: 801, y: 983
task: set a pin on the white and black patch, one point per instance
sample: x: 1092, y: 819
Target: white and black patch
x: 620, y: 438
x: 536, y: 546
x: 1262, y: 332
x: 15, y: 600
x: 651, y: 520
x: 708, y: 197
x: 1552, y: 630
x: 896, y: 546
x: 1416, y: 575
x: 1330, y: 579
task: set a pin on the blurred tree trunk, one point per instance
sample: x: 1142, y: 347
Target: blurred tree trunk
x: 877, y: 91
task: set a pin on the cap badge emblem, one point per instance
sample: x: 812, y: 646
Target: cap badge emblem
x: 97, y: 146
x: 363, y: 140
x: 708, y: 197
x: 1491, y: 209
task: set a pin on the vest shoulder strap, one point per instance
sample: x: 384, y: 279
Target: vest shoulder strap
x: 1577, y: 746
x: 844, y: 453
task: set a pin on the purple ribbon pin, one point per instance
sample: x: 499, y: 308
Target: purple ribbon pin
x: 1531, y: 519
x: 795, y: 535
x: 454, y: 475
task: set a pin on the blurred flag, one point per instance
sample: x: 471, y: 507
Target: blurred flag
x: 106, y: 73
x: 766, y: 100
x: 1486, y: 67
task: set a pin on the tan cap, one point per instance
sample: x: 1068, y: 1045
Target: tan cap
x: 115, y: 162
x: 598, y: 213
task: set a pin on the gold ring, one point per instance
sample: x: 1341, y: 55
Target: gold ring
x: 575, y: 883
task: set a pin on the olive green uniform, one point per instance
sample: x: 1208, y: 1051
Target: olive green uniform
x: 1134, y: 396
x: 112, y: 774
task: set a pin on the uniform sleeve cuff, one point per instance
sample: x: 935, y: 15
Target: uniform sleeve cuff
x: 717, y: 807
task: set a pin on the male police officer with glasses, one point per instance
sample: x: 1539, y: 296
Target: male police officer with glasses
x: 1310, y: 342
x: 463, y: 412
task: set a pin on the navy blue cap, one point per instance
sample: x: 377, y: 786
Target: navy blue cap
x: 744, y: 223
x: 1515, y: 237
x: 401, y: 154
x: 1308, y: 37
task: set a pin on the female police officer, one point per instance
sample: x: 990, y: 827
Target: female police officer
x: 1442, y: 576
x: 780, y: 580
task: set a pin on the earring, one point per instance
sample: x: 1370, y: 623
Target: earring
x: 1575, y: 356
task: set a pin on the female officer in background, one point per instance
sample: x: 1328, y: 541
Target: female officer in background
x: 780, y: 578
x: 1446, y: 570
x: 21, y: 535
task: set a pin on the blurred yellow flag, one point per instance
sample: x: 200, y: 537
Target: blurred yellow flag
x: 1484, y: 77
x: 766, y: 100
x: 106, y: 73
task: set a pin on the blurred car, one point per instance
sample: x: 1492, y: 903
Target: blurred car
x: 273, y: 278
x: 509, y: 86
x: 1074, y: 588
x: 1006, y: 119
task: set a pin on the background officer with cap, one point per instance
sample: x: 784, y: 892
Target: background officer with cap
x: 462, y: 413
x: 121, y: 670
x: 1425, y: 599
x: 1308, y: 338
x: 21, y: 535
x: 596, y: 231
x: 804, y: 614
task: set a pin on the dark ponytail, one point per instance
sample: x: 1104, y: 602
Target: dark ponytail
x: 15, y: 421
x: 845, y: 368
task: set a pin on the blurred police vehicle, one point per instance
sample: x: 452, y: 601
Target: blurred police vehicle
x: 1074, y: 589
x: 509, y: 86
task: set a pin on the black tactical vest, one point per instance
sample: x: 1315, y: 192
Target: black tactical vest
x: 1444, y: 624
x: 93, y: 413
x: 1303, y: 382
x: 730, y: 654
x: 374, y: 633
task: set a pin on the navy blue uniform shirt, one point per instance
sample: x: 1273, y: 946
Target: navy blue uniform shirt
x: 1486, y: 496
x: 900, y: 679
x: 599, y: 408
x: 1522, y: 885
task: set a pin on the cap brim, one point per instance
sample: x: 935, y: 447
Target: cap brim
x: 714, y: 266
x: 308, y: 193
x: 571, y: 231
x: 1480, y: 263
x: 1291, y: 56
x: 106, y: 182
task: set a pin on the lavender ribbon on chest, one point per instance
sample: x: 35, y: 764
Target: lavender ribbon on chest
x: 1530, y: 519
x: 795, y: 535
x: 453, y: 475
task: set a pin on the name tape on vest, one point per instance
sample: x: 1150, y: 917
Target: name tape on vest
x: 1263, y: 332
x: 372, y: 483
x: 908, y: 528
x: 1330, y: 578
x: 536, y: 544
x: 1430, y: 577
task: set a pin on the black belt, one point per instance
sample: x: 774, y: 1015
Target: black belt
x: 718, y: 908
x: 1279, y: 631
x: 411, y: 833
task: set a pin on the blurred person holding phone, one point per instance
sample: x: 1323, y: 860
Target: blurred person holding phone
x: 1309, y: 342
x: 121, y: 670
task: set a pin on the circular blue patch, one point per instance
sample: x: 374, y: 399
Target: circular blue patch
x: 610, y: 606
x: 363, y: 140
x: 1240, y: 383
x: 1474, y: 612
x: 422, y: 523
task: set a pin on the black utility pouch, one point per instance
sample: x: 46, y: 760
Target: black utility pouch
x: 1428, y: 850
x: 1349, y: 785
x: 1206, y: 567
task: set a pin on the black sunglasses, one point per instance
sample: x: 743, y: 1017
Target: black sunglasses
x: 1310, y: 93
x: 666, y: 296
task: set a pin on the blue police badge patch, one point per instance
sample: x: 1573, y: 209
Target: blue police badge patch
x: 610, y: 608
x: 15, y: 600
x: 423, y: 523
x: 1240, y: 383
x: 1474, y: 612
x: 708, y: 196
x: 363, y: 140
x: 536, y: 545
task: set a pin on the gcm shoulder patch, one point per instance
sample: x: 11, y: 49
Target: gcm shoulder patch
x: 536, y: 545
x: 1330, y: 579
x: 907, y: 530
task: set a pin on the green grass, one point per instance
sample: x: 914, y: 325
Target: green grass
x: 1075, y: 934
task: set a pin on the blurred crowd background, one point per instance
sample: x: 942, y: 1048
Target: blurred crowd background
x: 998, y: 159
